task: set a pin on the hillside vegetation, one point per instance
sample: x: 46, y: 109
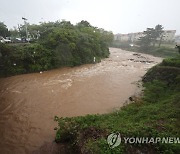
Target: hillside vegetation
x: 156, y: 114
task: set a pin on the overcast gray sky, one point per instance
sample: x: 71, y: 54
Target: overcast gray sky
x: 119, y: 16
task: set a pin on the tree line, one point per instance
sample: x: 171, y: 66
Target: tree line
x: 59, y: 44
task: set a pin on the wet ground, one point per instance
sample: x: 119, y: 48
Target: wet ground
x: 28, y: 103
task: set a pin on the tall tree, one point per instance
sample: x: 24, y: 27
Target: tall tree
x: 146, y: 40
x: 84, y: 23
x: 159, y: 33
x: 4, y: 30
x: 14, y: 32
x: 151, y: 36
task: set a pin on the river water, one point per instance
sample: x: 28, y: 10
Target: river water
x: 28, y: 103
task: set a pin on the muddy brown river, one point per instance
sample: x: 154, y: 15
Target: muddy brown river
x: 28, y: 103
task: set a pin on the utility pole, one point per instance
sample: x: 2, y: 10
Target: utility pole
x: 25, y: 23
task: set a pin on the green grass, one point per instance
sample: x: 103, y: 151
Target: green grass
x: 156, y: 114
x: 169, y: 45
x: 165, y: 51
x: 175, y: 62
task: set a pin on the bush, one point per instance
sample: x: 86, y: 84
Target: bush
x: 10, y: 60
x: 174, y: 62
x: 36, y: 58
x: 24, y: 59
x: 60, y: 44
x: 76, y: 45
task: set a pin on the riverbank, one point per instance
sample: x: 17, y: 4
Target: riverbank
x: 155, y: 115
x: 165, y: 51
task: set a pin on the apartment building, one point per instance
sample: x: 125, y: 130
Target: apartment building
x: 177, y: 39
x: 168, y: 36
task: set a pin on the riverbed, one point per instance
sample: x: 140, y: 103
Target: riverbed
x: 29, y: 102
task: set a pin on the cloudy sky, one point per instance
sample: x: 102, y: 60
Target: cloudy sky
x: 119, y: 16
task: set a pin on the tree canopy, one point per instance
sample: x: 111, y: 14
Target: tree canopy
x: 151, y: 36
x: 58, y: 44
x: 3, y: 30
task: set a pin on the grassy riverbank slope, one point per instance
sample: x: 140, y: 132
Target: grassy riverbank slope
x: 165, y: 51
x: 156, y: 114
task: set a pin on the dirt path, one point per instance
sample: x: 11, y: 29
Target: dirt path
x: 29, y: 102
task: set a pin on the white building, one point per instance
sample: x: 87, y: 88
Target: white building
x: 168, y: 36
x: 131, y: 37
x: 177, y: 39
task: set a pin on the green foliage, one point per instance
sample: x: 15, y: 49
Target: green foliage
x: 154, y: 91
x: 156, y: 115
x: 59, y: 44
x: 3, y: 30
x: 100, y: 147
x: 14, y: 33
x: 165, y: 52
x: 23, y: 59
x: 9, y: 58
x: 36, y: 58
x: 174, y: 62
x: 151, y: 36
x: 146, y: 40
x: 75, y: 45
x: 168, y: 71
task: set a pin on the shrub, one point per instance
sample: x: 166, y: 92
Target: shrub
x: 60, y: 44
